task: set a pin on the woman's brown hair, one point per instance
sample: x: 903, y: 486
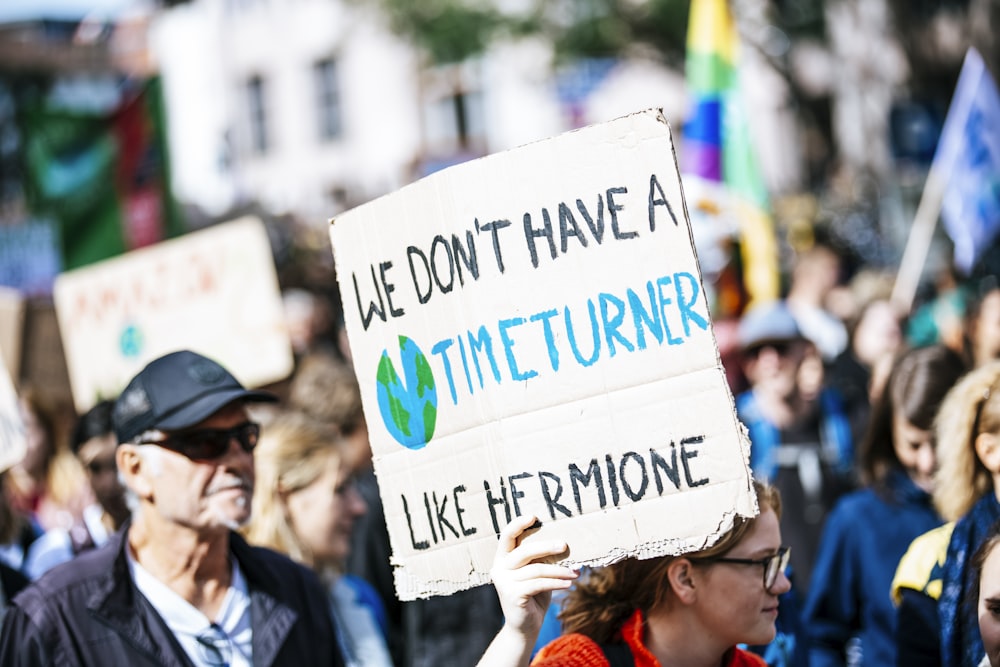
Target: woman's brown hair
x: 601, y: 602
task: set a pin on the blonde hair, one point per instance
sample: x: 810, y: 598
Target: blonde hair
x: 293, y: 452
x: 598, y: 605
x: 970, y: 408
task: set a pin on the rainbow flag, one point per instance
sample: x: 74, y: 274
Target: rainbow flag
x: 719, y: 169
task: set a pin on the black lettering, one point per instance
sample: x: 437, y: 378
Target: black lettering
x: 389, y: 289
x: 459, y: 511
x: 430, y: 518
x: 593, y: 473
x: 439, y: 511
x: 669, y: 469
x: 467, y: 255
x: 597, y: 229
x: 657, y: 198
x: 612, y: 478
x: 440, y: 241
x: 493, y: 228
x: 515, y: 494
x: 613, y: 209
x: 493, y: 502
x: 686, y: 455
x: 530, y: 234
x: 421, y: 296
x: 633, y: 495
x: 373, y: 310
x: 552, y: 502
x: 568, y: 228
x: 422, y: 544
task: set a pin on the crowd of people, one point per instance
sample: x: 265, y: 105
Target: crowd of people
x: 192, y: 521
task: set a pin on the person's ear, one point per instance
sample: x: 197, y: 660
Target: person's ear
x: 682, y: 577
x: 988, y: 451
x: 134, y: 470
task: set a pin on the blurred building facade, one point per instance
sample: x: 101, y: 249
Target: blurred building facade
x: 310, y: 107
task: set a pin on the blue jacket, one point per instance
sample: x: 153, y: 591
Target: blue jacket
x: 835, y: 432
x: 864, y: 538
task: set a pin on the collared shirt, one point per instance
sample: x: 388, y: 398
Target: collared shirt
x: 225, y: 642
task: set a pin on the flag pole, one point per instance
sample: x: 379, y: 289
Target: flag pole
x: 919, y: 242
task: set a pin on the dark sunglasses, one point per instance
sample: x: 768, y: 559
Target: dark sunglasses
x: 210, y: 443
x: 780, y: 347
x: 773, y: 565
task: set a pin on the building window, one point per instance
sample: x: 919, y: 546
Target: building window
x: 257, y: 109
x: 328, y: 111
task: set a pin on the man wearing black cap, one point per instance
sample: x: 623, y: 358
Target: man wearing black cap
x: 177, y: 586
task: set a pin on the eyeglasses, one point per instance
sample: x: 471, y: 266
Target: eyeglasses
x: 773, y: 565
x: 210, y: 443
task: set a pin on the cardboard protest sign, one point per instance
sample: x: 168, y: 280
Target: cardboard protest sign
x: 11, y: 329
x: 531, y: 335
x: 214, y: 291
x: 12, y: 438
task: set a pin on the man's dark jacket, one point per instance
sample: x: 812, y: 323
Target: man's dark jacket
x: 89, y: 612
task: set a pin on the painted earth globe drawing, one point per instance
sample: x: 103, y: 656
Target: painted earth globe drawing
x: 408, y: 405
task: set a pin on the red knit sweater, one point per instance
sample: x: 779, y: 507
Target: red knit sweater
x: 578, y: 650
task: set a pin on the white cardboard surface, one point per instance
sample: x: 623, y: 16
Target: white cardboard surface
x: 603, y: 408
x: 214, y: 291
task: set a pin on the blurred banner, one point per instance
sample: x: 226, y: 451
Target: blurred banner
x: 726, y: 196
x: 11, y: 329
x: 29, y: 256
x: 969, y: 156
x: 103, y: 177
x: 12, y: 440
x: 213, y: 291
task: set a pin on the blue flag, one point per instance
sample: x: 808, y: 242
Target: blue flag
x: 969, y: 155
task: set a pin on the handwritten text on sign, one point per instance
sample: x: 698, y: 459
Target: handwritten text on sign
x: 531, y: 336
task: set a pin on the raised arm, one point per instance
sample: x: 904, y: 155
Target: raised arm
x: 524, y: 581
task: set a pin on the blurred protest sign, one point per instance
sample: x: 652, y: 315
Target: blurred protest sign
x: 11, y: 329
x: 963, y: 183
x: 213, y: 291
x: 531, y: 335
x: 12, y: 438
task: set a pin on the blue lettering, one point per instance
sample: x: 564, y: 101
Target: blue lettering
x: 611, y: 333
x: 640, y: 315
x: 508, y: 347
x: 665, y: 301
x: 441, y: 348
x: 550, y: 342
x: 483, y: 342
x: 593, y: 332
x: 684, y: 305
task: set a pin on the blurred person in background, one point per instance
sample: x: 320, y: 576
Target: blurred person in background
x: 48, y: 485
x: 934, y: 578
x: 93, y: 442
x: 16, y: 536
x: 815, y: 274
x: 859, y: 372
x: 327, y: 390
x: 800, y: 436
x: 982, y: 324
x: 869, y: 530
x: 986, y: 564
x: 305, y: 505
x: 177, y: 586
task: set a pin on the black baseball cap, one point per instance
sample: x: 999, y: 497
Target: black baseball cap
x: 175, y: 392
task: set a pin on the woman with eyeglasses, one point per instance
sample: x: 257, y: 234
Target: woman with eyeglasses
x: 869, y: 530
x: 304, y: 505
x: 935, y: 577
x: 694, y: 609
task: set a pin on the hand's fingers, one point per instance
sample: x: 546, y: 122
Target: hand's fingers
x: 524, y: 591
x: 537, y: 551
x: 512, y: 531
x: 542, y: 571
